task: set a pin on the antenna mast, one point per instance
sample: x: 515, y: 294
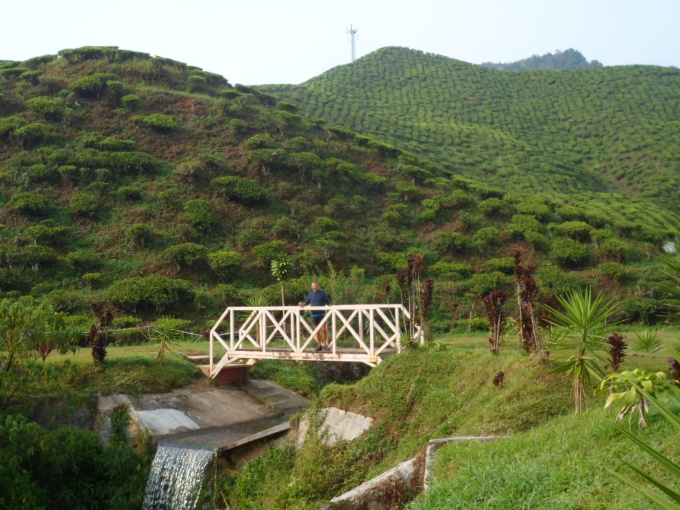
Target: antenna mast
x: 353, y: 36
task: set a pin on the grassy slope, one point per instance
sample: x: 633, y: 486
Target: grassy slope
x: 594, y: 130
x: 548, y: 462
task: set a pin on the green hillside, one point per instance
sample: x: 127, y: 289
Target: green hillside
x: 163, y: 189
x: 567, y: 59
x: 608, y: 129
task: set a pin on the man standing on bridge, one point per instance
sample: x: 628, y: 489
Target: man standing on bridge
x: 318, y: 297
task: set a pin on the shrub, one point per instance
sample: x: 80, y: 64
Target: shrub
x: 569, y: 253
x: 614, y: 270
x: 577, y: 230
x: 505, y: 265
x: 224, y: 262
x: 197, y: 213
x: 84, y: 205
x: 259, y: 141
x: 245, y: 191
x: 84, y: 259
x: 33, y: 204
x: 521, y: 224
x: 452, y: 243
x: 484, y: 283
x: 267, y: 252
x: 451, y: 270
x: 614, y: 249
x: 92, y: 87
x: 556, y: 281
x: 130, y: 193
x: 492, y: 207
x: 139, y: 233
x: 227, y: 295
x: 33, y: 134
x: 130, y: 102
x: 535, y: 209
x: 641, y: 309
x: 487, y: 236
x: 46, y: 107
x: 158, y: 122
x: 186, y: 255
x: 154, y: 291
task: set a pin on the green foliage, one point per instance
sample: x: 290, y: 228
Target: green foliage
x: 66, y: 468
x: 84, y: 205
x: 157, y: 292
x: 580, y: 329
x: 187, y: 255
x: 131, y: 102
x: 165, y: 332
x: 647, y: 341
x: 139, y: 234
x: 569, y: 253
x: 91, y: 87
x: 47, y: 107
x: 197, y: 212
x: 224, y: 263
x: 577, y: 230
x: 32, y: 204
x: 641, y: 309
x: 522, y: 225
x: 453, y: 243
x: 158, y: 122
x: 623, y: 389
x: 33, y: 134
x: 84, y: 259
x: 245, y: 191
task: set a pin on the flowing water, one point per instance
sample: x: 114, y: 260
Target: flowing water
x: 175, y: 479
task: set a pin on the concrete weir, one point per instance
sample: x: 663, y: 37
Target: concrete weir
x: 222, y: 419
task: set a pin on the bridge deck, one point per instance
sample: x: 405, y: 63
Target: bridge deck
x: 358, y: 333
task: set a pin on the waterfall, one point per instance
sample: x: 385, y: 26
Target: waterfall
x: 175, y: 479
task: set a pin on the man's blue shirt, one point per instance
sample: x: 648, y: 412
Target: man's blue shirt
x: 318, y: 298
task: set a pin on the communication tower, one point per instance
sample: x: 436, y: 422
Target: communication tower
x: 352, y: 32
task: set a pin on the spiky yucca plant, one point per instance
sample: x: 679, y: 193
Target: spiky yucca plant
x: 582, y: 327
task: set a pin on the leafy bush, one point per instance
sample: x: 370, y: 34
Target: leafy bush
x: 577, y: 230
x: 227, y: 295
x: 242, y: 190
x: 84, y: 259
x: 451, y: 270
x: 47, y: 107
x: 556, y: 281
x: 452, y: 243
x: 641, y: 309
x: 84, y: 205
x: 186, y: 255
x: 492, y: 207
x: 92, y: 87
x: 139, y: 233
x: 505, y: 265
x: 33, y: 134
x: 569, y: 253
x: 522, y: 224
x: 154, y: 291
x: 197, y: 213
x: 614, y: 270
x: 267, y: 252
x: 33, y: 204
x: 614, y: 249
x: 130, y: 102
x: 224, y: 263
x: 158, y: 122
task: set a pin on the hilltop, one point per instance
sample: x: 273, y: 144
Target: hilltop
x: 567, y: 59
x: 580, y: 132
x: 164, y: 189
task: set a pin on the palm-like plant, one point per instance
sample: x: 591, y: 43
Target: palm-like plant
x: 582, y: 327
x: 671, y: 466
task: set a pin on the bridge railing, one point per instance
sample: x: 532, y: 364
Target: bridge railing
x: 362, y: 333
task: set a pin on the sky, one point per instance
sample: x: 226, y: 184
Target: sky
x: 268, y: 41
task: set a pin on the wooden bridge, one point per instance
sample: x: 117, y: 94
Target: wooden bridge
x: 359, y: 333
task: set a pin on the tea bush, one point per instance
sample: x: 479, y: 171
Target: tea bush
x: 156, y: 292
x: 245, y: 191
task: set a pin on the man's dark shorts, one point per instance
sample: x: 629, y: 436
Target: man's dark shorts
x: 317, y: 320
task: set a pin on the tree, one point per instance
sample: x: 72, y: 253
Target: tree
x: 282, y: 269
x: 582, y: 326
